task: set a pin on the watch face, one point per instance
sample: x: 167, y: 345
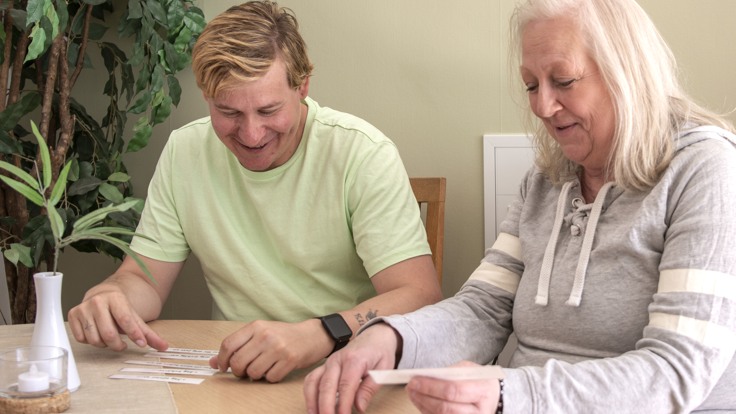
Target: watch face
x: 337, y: 327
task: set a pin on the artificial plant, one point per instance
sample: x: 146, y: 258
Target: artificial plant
x: 39, y: 191
x: 46, y: 49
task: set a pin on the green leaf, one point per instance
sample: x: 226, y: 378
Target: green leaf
x: 24, y: 253
x: 32, y: 182
x: 155, y: 45
x: 162, y: 111
x: 12, y: 256
x: 19, y: 252
x: 110, y: 231
x: 35, y: 10
x: 24, y: 190
x: 50, y: 14
x: 60, y: 185
x: 127, y: 80
x: 37, y: 46
x: 128, y: 26
x: 158, y: 97
x: 57, y: 223
x: 19, y: 19
x: 43, y: 150
x: 77, y: 24
x: 72, y: 53
x: 83, y: 186
x: 124, y: 247
x: 175, y: 16
x: 135, y: 11
x: 169, y: 58
x: 127, y: 219
x: 8, y: 144
x: 38, y: 249
x: 12, y: 114
x: 98, y: 215
x: 142, y: 132
x: 174, y: 89
x: 94, y: 2
x: 141, y: 104
x: 194, y: 22
x: 96, y: 31
x: 182, y: 41
x: 86, y: 169
x: 157, y: 78
x: 74, y: 172
x: 157, y: 11
x: 118, y: 177
x: 108, y: 58
x: 62, y: 13
x: 110, y: 90
x: 138, y: 53
x: 110, y: 192
x: 139, y: 204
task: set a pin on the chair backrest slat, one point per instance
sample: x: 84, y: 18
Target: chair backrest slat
x: 431, y: 191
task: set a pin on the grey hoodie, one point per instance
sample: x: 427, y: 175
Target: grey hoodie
x: 625, y: 305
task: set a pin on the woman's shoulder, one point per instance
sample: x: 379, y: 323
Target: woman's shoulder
x: 704, y: 157
x: 706, y: 139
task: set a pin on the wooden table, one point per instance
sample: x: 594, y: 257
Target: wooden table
x: 221, y: 393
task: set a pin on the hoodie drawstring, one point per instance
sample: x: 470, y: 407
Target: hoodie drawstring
x: 549, y: 252
x: 577, y: 286
x: 587, y: 246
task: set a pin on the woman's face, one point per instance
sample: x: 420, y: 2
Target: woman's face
x: 566, y: 91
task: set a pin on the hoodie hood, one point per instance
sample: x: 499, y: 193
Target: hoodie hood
x: 593, y: 211
x: 691, y: 136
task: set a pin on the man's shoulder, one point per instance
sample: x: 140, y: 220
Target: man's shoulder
x: 196, y: 134
x: 332, y: 122
x: 194, y: 127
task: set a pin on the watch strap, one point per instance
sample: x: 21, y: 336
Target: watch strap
x: 337, y: 329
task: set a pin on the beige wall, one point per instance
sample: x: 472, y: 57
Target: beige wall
x: 433, y: 76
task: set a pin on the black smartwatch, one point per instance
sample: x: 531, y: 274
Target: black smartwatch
x: 338, y: 330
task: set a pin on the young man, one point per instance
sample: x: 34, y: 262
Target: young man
x: 302, y: 216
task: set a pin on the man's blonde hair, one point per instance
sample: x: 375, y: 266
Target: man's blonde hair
x: 241, y: 44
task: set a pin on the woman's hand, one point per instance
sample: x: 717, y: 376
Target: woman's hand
x: 432, y: 395
x: 343, y: 382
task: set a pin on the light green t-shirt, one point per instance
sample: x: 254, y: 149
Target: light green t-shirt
x: 298, y: 241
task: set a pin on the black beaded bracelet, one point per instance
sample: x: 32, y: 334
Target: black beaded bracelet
x: 499, y: 409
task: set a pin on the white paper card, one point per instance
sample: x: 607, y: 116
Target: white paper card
x: 170, y: 364
x: 210, y: 352
x: 173, y: 355
x: 402, y: 376
x: 170, y: 371
x: 161, y: 378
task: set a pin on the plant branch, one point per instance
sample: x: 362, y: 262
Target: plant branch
x: 15, y: 204
x: 65, y: 118
x: 22, y: 290
x: 5, y: 67
x: 79, y: 64
x: 48, y: 90
x: 15, y: 75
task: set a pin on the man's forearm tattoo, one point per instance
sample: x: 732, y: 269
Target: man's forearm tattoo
x: 362, y: 320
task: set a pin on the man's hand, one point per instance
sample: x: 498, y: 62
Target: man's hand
x: 271, y: 350
x: 345, y: 372
x: 122, y: 304
x: 104, y: 315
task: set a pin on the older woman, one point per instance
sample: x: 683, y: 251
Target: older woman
x: 616, y: 265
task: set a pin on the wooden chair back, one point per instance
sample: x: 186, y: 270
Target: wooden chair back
x: 431, y: 192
